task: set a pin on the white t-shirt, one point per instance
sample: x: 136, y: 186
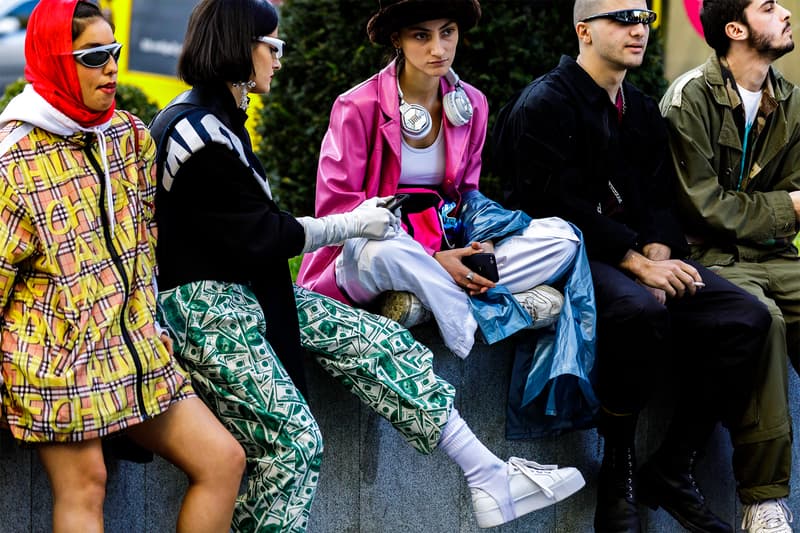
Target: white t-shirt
x: 750, y: 100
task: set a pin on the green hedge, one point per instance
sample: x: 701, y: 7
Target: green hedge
x: 328, y: 52
x: 12, y: 90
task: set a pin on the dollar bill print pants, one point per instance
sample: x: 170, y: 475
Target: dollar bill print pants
x: 219, y: 333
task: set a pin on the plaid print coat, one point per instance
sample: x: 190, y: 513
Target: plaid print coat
x: 80, y: 354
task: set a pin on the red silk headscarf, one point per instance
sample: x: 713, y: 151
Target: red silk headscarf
x: 49, y: 65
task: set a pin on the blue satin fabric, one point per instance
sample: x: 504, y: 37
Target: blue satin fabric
x: 497, y: 312
x: 484, y: 219
x: 551, y: 384
x: 551, y: 388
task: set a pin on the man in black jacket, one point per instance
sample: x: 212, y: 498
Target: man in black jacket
x: 581, y: 144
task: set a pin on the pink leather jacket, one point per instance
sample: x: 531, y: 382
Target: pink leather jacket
x: 360, y: 158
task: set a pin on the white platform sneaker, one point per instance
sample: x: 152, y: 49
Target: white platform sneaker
x: 531, y: 486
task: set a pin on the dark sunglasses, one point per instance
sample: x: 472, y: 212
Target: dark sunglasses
x: 98, y: 56
x: 627, y: 16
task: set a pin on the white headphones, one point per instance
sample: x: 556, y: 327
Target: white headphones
x: 415, y: 119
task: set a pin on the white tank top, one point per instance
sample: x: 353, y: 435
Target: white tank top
x: 423, y: 166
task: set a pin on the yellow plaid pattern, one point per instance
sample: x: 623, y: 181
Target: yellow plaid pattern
x: 80, y: 354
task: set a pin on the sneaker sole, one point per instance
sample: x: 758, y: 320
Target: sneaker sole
x: 534, y: 501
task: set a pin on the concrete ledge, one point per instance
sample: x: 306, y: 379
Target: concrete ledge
x: 373, y: 482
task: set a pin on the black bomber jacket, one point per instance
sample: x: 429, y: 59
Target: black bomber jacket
x: 562, y: 151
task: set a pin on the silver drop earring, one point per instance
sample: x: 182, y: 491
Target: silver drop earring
x: 244, y: 87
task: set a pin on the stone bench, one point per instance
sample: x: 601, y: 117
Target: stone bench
x: 373, y: 482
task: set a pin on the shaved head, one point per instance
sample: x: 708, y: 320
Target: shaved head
x: 585, y: 8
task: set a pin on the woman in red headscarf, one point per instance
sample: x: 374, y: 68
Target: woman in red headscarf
x: 82, y: 357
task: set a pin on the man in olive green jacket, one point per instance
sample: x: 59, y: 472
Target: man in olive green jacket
x: 734, y: 129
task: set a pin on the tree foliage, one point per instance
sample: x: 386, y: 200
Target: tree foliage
x: 328, y: 52
x: 12, y: 90
x: 132, y: 99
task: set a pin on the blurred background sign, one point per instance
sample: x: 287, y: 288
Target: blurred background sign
x: 155, y: 47
x: 152, y: 31
x: 692, y: 10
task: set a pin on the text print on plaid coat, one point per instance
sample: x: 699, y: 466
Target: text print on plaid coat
x: 81, y: 357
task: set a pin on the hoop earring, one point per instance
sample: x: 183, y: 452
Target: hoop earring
x: 244, y: 87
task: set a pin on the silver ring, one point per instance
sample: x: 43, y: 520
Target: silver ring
x: 470, y: 275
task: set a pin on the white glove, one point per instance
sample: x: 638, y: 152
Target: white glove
x: 367, y: 220
x: 372, y: 221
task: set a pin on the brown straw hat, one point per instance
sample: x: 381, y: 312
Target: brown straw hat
x: 393, y: 15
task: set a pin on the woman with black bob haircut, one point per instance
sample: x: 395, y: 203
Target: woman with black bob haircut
x: 217, y: 53
x: 240, y: 324
x: 226, y: 293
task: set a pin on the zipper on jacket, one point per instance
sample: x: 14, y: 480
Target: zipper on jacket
x: 125, y: 283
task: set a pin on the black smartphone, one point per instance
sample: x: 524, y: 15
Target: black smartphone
x: 483, y: 264
x: 396, y: 201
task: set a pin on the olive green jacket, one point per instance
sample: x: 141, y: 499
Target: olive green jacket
x: 734, y: 210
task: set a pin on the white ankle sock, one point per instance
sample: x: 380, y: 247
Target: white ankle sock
x: 482, y: 468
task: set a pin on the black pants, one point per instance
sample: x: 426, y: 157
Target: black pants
x: 713, y: 338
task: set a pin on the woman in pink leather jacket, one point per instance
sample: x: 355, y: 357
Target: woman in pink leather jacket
x: 415, y: 127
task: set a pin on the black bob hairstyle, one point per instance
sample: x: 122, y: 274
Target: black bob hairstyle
x: 219, y: 40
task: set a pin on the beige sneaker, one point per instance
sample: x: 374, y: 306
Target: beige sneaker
x: 543, y: 303
x: 769, y: 516
x: 403, y: 307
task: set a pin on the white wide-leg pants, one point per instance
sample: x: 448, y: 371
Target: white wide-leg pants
x: 366, y: 268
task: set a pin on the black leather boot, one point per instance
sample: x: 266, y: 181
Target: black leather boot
x: 667, y: 480
x: 616, y: 491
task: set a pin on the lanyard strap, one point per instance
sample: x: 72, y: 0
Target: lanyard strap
x: 745, y: 142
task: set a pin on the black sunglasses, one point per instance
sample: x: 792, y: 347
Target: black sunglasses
x: 98, y: 56
x: 627, y: 16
